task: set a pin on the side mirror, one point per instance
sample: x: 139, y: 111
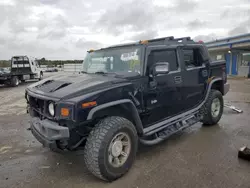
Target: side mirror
x: 161, y: 68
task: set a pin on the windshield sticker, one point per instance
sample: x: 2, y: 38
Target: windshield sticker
x: 129, y: 56
x: 102, y: 59
x: 97, y: 67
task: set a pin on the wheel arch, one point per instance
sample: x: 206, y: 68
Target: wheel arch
x: 218, y: 84
x: 124, y: 108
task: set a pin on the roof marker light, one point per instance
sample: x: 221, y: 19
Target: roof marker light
x: 91, y: 50
x: 143, y: 42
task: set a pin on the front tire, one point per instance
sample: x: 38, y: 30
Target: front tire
x: 213, y: 108
x: 111, y: 148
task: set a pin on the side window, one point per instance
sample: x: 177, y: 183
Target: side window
x: 164, y: 56
x: 192, y: 58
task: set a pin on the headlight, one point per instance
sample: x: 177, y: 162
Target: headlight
x: 51, y: 109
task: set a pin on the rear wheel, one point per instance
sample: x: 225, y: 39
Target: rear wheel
x: 14, y: 81
x: 111, y: 148
x: 213, y: 108
x: 41, y: 76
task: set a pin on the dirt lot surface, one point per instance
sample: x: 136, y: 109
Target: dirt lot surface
x: 202, y: 157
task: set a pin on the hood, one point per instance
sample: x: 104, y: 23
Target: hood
x: 71, y: 85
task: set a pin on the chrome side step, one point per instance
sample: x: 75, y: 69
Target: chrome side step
x: 178, y: 122
x: 170, y: 129
x: 174, y: 128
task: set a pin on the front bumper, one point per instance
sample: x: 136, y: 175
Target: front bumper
x: 48, y: 132
x: 226, y: 88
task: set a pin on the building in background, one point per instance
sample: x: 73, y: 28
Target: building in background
x: 235, y: 50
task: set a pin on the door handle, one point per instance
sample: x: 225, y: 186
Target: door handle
x: 178, y: 79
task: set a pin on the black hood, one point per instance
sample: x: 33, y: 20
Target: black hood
x: 66, y: 85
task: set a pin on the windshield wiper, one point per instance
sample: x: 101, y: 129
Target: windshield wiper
x: 84, y: 72
x: 101, y: 72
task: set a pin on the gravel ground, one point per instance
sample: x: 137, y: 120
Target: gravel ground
x: 201, y: 157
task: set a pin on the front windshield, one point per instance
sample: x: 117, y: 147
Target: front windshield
x: 124, y: 59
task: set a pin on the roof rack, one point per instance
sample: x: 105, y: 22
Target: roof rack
x: 161, y: 39
x: 120, y: 45
x: 158, y: 41
x: 168, y: 40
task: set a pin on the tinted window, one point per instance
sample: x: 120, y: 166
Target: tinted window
x: 164, y: 56
x: 192, y: 58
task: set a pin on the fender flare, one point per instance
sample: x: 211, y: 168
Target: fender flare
x: 135, y: 114
x: 224, y: 87
x: 211, y: 81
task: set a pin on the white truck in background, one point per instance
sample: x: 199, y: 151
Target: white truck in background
x: 22, y: 68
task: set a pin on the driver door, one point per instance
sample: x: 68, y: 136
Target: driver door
x: 163, y: 96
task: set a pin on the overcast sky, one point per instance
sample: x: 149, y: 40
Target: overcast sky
x: 65, y: 29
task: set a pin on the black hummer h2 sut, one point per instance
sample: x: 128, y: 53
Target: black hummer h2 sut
x: 141, y: 92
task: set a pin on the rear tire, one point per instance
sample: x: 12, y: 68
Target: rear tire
x: 14, y: 81
x: 111, y: 148
x: 213, y: 108
x: 41, y: 76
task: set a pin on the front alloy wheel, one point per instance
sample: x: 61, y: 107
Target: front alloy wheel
x: 119, y: 149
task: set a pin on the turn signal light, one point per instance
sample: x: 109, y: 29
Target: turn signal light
x: 64, y: 112
x: 89, y: 104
